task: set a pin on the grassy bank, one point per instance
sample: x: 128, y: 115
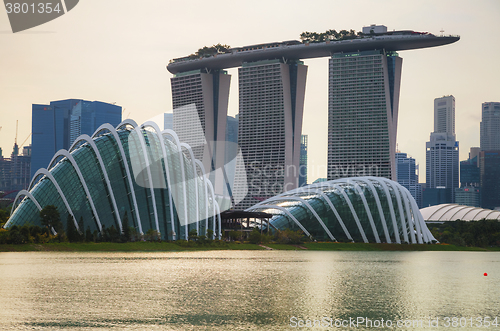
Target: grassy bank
x: 172, y: 247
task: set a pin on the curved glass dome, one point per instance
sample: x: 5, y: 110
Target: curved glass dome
x: 139, y: 171
x: 454, y: 212
x: 361, y: 209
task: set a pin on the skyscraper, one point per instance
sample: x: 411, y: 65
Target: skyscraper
x: 407, y: 176
x: 199, y: 101
x: 57, y: 125
x: 168, y: 121
x: 303, y: 161
x: 468, y: 196
x: 469, y: 169
x: 444, y: 115
x: 271, y: 100
x: 442, y: 168
x: 490, y: 179
x: 363, y: 113
x: 489, y: 157
x: 365, y: 77
x: 490, y: 126
x: 15, y: 171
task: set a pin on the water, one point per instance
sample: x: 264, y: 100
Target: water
x: 245, y: 290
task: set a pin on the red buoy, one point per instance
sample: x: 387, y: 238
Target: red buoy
x: 486, y: 274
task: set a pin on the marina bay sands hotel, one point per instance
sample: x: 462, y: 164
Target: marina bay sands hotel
x: 363, y: 97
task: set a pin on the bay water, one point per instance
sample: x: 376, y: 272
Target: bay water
x: 250, y: 290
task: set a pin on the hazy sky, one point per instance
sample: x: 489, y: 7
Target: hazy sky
x: 117, y: 51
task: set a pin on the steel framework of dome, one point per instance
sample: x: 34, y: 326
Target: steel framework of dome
x: 138, y: 170
x: 367, y: 209
x: 453, y: 212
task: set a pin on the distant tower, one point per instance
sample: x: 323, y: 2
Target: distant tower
x: 490, y: 179
x: 490, y: 155
x: 444, y: 115
x: 490, y: 126
x: 442, y: 166
x: 57, y: 125
x: 363, y: 113
x: 407, y: 175
x: 271, y: 100
x: 168, y: 121
x: 303, y: 161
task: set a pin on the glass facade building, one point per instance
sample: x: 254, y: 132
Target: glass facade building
x: 361, y: 209
x: 407, y: 175
x: 490, y: 179
x: 490, y: 126
x: 57, y: 125
x: 138, y: 171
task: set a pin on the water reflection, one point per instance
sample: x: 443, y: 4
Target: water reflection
x: 247, y: 290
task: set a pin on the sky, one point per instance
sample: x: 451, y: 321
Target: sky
x: 117, y: 51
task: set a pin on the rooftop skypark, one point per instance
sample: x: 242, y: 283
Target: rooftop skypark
x: 311, y: 45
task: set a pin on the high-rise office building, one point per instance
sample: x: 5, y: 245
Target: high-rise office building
x: 231, y: 152
x: 303, y: 161
x: 407, y: 175
x: 442, y: 166
x: 468, y: 196
x: 490, y: 179
x: 444, y: 115
x: 490, y: 126
x: 57, y: 125
x: 271, y: 102
x: 362, y: 113
x: 15, y: 171
x: 168, y: 121
x: 232, y: 129
x: 469, y: 169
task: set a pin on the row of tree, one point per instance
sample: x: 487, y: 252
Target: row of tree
x: 484, y: 233
x: 210, y: 51
x: 52, y: 230
x: 315, y: 37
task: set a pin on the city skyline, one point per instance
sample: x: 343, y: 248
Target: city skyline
x: 126, y: 63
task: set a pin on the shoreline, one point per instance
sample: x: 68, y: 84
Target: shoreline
x: 172, y: 247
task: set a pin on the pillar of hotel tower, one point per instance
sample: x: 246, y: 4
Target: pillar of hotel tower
x: 271, y: 105
x: 200, y: 101
x: 363, y: 99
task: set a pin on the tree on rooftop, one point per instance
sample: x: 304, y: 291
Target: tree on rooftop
x: 315, y: 37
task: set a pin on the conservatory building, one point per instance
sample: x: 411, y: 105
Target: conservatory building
x: 132, y: 172
x: 358, y: 209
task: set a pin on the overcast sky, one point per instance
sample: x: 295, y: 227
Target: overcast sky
x: 117, y: 51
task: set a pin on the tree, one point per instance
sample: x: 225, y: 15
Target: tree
x: 4, y: 216
x: 81, y: 232
x: 193, y: 235
x: 126, y: 228
x: 153, y: 235
x: 50, y: 218
x: 255, y: 236
x: 71, y: 231
x: 113, y: 234
x: 88, y: 235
